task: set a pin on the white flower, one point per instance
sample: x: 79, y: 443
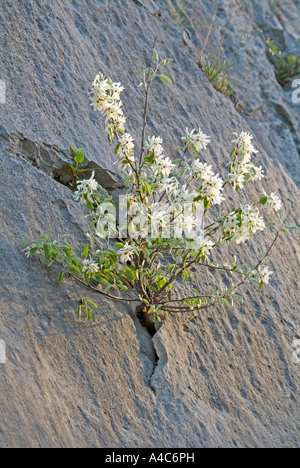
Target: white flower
x: 211, y: 184
x: 126, y: 144
x: 168, y: 185
x: 262, y: 274
x: 85, y: 190
x: 106, y: 99
x: 155, y: 144
x: 202, y: 243
x: 125, y: 150
x: 160, y: 218
x: 199, y: 168
x: 274, y: 202
x: 162, y: 166
x: 90, y: 267
x: 241, y: 170
x: 240, y: 224
x: 258, y: 173
x: 189, y: 222
x: 126, y: 253
x: 244, y: 144
x: 196, y: 141
x: 182, y: 195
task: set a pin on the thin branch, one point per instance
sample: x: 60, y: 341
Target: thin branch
x: 181, y: 310
x: 211, y: 267
x: 96, y: 290
x: 146, y: 105
x: 184, y: 299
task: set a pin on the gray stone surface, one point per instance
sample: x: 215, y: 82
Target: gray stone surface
x: 226, y: 379
x: 238, y: 35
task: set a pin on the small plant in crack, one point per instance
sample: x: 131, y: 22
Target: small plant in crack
x: 219, y: 73
x: 287, y: 66
x: 79, y: 157
x: 171, y: 221
x: 85, y: 308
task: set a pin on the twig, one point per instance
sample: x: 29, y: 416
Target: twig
x: 98, y: 291
x: 146, y: 105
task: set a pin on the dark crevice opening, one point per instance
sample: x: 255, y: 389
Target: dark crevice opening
x: 146, y: 322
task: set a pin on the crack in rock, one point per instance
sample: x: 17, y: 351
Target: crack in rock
x: 161, y: 359
x: 54, y: 161
x: 152, y: 352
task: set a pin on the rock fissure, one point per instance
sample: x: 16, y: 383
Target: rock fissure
x: 55, y: 162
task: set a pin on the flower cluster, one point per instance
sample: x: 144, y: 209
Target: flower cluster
x: 273, y: 202
x: 106, y: 99
x: 154, y: 144
x: 211, y: 184
x: 86, y: 189
x: 162, y: 166
x: 203, y: 244
x: 126, y: 152
x: 241, y: 223
x: 127, y: 253
x: 242, y: 170
x: 195, y: 141
x: 262, y: 274
x: 90, y: 267
x: 182, y: 195
x: 168, y: 185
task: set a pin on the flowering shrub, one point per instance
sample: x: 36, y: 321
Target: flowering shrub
x: 162, y: 230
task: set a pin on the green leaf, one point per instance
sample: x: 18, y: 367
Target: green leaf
x: 79, y: 158
x: 33, y: 251
x: 25, y: 241
x: 206, y: 204
x: 240, y: 299
x: 224, y: 301
x: 60, y: 277
x: 166, y: 78
x: 85, y: 252
x: 155, y: 54
x: 270, y: 224
x: 263, y: 200
x: 47, y: 251
x: 294, y: 228
x: 79, y: 313
x: 233, y: 153
x: 72, y: 167
x: 92, y: 304
x: 89, y: 314
x: 261, y: 285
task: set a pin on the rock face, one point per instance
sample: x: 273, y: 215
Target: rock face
x: 238, y: 35
x: 226, y: 379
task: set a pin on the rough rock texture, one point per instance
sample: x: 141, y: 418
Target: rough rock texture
x: 226, y: 379
x: 238, y: 35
